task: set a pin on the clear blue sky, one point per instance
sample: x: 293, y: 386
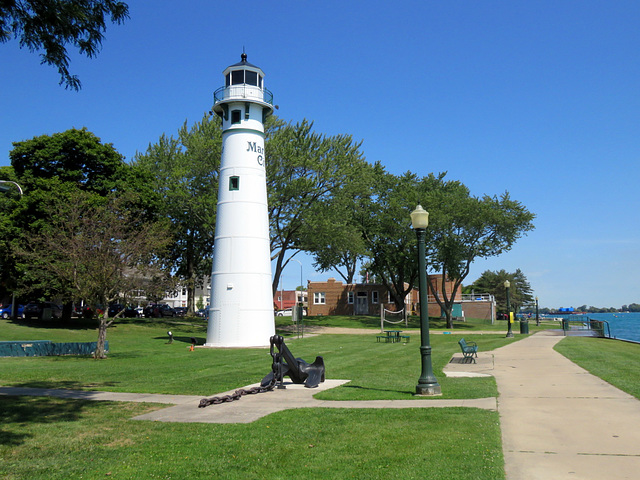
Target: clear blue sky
x: 539, y: 98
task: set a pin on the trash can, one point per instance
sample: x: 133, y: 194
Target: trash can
x: 524, y: 326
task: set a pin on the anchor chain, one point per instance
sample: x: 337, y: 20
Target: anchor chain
x: 238, y: 394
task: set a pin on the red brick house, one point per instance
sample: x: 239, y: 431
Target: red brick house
x: 335, y: 298
x: 284, y: 299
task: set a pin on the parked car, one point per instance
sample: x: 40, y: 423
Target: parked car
x: 203, y: 312
x: 288, y: 312
x: 180, y: 311
x: 129, y: 311
x: 5, y: 311
x: 159, y: 310
x: 40, y: 310
x: 114, y: 309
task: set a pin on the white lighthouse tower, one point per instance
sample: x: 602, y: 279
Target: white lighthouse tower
x: 241, y: 312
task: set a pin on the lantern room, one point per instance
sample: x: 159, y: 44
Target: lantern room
x: 244, y: 82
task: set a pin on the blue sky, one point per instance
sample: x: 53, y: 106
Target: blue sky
x: 538, y: 98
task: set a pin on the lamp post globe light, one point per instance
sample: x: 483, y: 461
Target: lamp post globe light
x: 4, y: 187
x: 507, y: 284
x: 427, y: 383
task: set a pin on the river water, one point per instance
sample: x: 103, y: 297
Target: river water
x: 624, y: 326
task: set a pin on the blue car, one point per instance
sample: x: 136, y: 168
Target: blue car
x: 5, y: 311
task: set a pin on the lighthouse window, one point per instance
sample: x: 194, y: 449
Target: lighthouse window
x: 235, y: 116
x: 234, y: 183
x: 260, y: 81
x: 251, y: 78
x: 228, y: 79
x: 237, y: 77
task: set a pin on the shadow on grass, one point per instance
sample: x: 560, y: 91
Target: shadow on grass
x: 64, y: 385
x: 187, y: 340
x: 20, y: 410
x: 378, y: 389
x: 72, y: 324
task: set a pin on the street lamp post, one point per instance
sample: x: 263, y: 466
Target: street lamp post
x: 4, y: 188
x: 507, y: 284
x: 537, y: 316
x: 427, y: 383
x: 300, y: 304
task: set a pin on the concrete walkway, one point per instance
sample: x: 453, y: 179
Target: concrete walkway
x: 558, y: 421
x: 249, y: 408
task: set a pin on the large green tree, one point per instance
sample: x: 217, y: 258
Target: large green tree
x: 74, y: 156
x: 98, y: 249
x: 383, y: 218
x: 185, y: 174
x: 520, y: 292
x: 338, y: 244
x: 53, y: 168
x: 50, y: 25
x: 306, y: 171
x: 464, y: 228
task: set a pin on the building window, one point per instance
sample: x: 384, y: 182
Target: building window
x: 234, y: 183
x: 318, y: 298
x: 350, y: 298
x: 374, y: 297
x: 235, y: 116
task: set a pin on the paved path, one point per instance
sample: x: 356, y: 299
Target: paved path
x: 558, y: 421
x: 249, y: 408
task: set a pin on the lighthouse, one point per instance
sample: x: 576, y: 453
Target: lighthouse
x: 241, y: 311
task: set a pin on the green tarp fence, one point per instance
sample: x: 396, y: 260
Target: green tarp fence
x: 41, y: 348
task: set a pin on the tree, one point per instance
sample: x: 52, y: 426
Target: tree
x: 463, y: 228
x: 52, y: 169
x: 53, y: 24
x: 383, y: 218
x: 338, y: 244
x: 99, y: 250
x: 305, y: 171
x: 74, y: 156
x: 520, y: 292
x: 185, y: 175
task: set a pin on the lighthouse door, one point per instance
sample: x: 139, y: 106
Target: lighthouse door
x: 361, y: 304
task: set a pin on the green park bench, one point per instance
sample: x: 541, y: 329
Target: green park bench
x: 468, y: 349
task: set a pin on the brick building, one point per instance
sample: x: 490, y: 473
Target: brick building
x: 336, y: 298
x: 284, y: 299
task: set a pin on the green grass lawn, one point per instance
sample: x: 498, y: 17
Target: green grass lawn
x: 614, y: 361
x: 141, y: 360
x: 413, y: 322
x: 55, y: 438
x: 63, y: 439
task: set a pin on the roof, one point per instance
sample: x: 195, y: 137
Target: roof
x: 243, y: 63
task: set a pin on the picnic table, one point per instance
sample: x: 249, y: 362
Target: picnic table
x: 392, y: 336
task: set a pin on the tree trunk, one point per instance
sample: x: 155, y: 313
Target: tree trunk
x: 105, y: 323
x: 102, y: 338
